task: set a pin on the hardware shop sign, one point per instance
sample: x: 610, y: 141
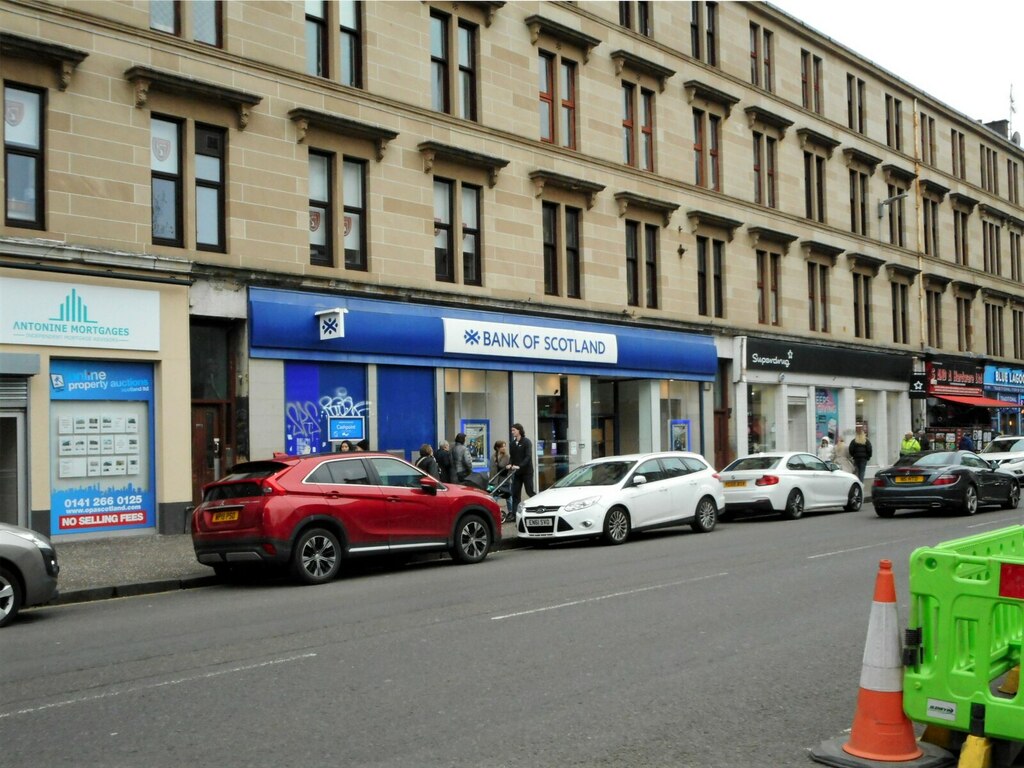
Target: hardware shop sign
x: 789, y: 357
x: 60, y: 314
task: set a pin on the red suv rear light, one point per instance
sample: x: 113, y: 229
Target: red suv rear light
x: 767, y: 480
x: 271, y: 488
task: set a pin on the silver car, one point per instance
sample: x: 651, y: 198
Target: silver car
x: 28, y: 570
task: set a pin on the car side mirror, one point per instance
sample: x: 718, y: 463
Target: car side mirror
x: 639, y: 479
x: 428, y: 485
x: 832, y: 466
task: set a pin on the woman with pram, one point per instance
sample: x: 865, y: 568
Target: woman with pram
x: 499, y: 467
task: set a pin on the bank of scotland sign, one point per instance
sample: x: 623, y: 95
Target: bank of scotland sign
x: 480, y: 337
x: 78, y: 315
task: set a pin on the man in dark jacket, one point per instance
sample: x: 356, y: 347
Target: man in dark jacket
x: 521, y: 462
x: 462, y: 462
x: 443, y: 457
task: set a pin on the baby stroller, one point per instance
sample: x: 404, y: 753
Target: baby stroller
x: 500, y: 488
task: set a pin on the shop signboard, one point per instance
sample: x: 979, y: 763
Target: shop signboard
x: 792, y: 357
x: 954, y: 377
x: 102, y: 472
x: 1004, y: 379
x: 78, y: 315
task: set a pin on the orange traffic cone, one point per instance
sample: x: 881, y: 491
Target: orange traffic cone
x: 881, y: 731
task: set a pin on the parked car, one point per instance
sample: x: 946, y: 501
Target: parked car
x: 616, y: 495
x: 28, y: 570
x: 310, y: 512
x: 1007, y: 452
x: 957, y: 480
x: 789, y: 483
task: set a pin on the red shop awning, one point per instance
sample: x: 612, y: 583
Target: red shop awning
x: 984, y: 402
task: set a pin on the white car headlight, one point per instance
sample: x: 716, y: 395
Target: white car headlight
x: 575, y: 506
x: 35, y: 538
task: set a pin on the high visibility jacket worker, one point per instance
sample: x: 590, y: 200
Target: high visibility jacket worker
x: 909, y: 445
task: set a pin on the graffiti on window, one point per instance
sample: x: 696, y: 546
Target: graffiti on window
x: 307, y: 421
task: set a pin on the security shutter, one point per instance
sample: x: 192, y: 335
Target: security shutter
x: 13, y: 392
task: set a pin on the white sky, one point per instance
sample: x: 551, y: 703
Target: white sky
x: 964, y: 54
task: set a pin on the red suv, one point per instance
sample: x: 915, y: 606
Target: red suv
x: 309, y: 512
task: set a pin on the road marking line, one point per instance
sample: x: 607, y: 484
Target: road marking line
x: 585, y: 600
x: 162, y: 684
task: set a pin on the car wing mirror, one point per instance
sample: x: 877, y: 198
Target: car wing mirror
x: 639, y: 479
x: 428, y: 485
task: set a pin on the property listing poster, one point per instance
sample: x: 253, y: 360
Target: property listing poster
x: 101, y: 437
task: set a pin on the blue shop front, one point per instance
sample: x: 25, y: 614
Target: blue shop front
x: 327, y: 368
x: 1006, y: 384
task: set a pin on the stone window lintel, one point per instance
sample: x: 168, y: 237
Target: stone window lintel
x: 768, y: 119
x: 623, y: 58
x: 810, y: 137
x: 304, y: 119
x: 590, y: 189
x: 695, y: 89
x: 700, y: 219
x: 627, y: 200
x: 539, y: 25
x: 760, y: 235
x: 146, y: 79
x: 433, y: 151
x: 65, y: 58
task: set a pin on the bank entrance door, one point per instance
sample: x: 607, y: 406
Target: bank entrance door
x: 13, y: 468
x: 552, y: 443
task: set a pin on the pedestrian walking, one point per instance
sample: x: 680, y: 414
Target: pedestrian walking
x: 826, y: 452
x: 966, y: 442
x: 860, y: 452
x: 909, y: 445
x: 842, y: 453
x: 500, y: 460
x: 521, y: 453
x: 462, y: 463
x: 922, y: 438
x: 443, y: 457
x: 427, y: 462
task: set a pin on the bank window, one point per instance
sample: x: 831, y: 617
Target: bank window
x: 210, y: 186
x: 23, y: 157
x: 561, y: 237
x: 900, y: 312
x: 464, y: 56
x: 446, y: 193
x: 965, y: 327
x: 818, y: 296
x: 316, y: 38
x: 350, y: 43
x: 704, y: 31
x: 707, y: 143
x: 862, y: 319
x: 353, y: 194
x: 769, y: 274
x: 933, y: 316
x: 710, y: 277
x: 637, y: 135
x: 166, y: 181
x: 811, y: 82
x: 557, y: 100
x: 894, y: 122
x: 765, y: 175
x: 198, y: 20
x: 320, y: 207
x: 993, y: 329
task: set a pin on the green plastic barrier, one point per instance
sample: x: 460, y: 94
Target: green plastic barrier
x: 964, y: 634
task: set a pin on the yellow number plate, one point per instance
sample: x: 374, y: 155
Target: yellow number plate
x: 909, y: 479
x: 224, y: 517
x: 734, y: 483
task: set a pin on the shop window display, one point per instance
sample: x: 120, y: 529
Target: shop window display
x: 761, y: 411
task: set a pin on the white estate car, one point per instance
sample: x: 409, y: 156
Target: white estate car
x: 1006, y: 452
x: 612, y: 496
x: 788, y: 483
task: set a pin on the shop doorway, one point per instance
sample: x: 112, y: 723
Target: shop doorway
x: 214, y: 349
x: 604, y: 418
x: 552, y: 443
x: 723, y: 417
x: 798, y: 425
x: 208, y: 448
x: 13, y: 481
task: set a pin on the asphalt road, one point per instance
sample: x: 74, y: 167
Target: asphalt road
x: 738, y: 648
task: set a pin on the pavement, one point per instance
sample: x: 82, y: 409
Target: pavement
x: 122, y: 566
